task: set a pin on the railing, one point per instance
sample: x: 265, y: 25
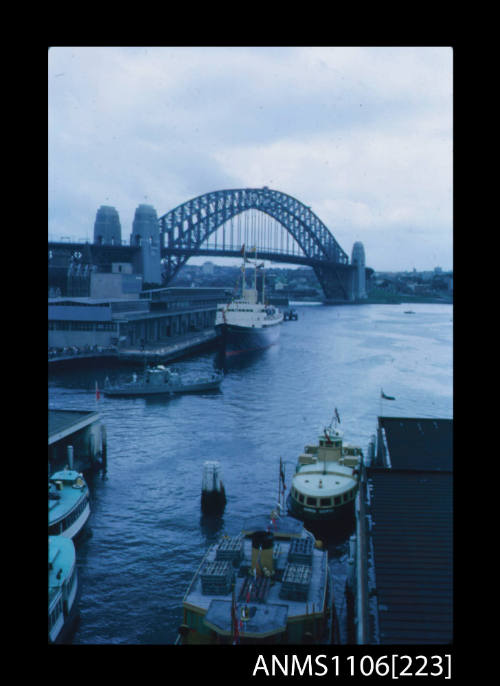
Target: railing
x: 71, y: 352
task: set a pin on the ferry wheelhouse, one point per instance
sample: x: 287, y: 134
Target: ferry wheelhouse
x: 326, y: 478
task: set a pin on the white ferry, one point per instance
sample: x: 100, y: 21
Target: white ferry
x: 63, y: 588
x: 326, y: 478
x: 69, y: 507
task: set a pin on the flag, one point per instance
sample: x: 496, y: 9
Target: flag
x: 337, y: 415
x: 234, y: 617
x: 386, y: 397
x: 97, y: 392
x: 243, y: 249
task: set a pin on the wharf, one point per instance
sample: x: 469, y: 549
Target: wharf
x: 159, y: 352
x: 81, y: 429
x: 180, y: 346
x: 404, y: 535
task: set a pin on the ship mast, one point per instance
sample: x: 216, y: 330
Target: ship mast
x: 243, y: 283
x: 255, y: 271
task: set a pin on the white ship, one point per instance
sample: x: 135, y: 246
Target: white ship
x: 246, y: 323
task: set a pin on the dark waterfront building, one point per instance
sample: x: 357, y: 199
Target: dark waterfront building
x: 414, y: 443
x: 406, y: 535
x: 154, y: 319
x: 83, y: 431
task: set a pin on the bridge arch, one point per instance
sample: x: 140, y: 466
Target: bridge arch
x: 186, y: 227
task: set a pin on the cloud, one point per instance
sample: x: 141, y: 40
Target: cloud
x: 363, y: 135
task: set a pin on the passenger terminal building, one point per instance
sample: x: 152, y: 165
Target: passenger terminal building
x: 105, y: 305
x: 155, y: 317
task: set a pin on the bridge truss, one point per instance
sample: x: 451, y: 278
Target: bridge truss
x: 184, y: 229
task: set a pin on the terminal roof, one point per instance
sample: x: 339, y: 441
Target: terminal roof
x: 412, y: 536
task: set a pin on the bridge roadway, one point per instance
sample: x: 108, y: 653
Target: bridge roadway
x: 160, y: 247
x: 335, y: 278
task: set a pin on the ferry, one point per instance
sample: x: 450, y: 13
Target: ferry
x: 270, y: 584
x: 247, y: 324
x: 69, y: 504
x: 63, y: 588
x: 326, y: 478
x: 162, y: 380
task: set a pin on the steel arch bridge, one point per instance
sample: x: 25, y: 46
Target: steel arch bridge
x: 184, y: 229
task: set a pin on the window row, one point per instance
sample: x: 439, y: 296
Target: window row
x: 64, y: 524
x: 82, y: 326
x: 56, y: 613
x: 324, y: 502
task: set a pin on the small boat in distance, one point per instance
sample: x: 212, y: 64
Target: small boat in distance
x: 247, y: 324
x: 326, y: 478
x: 162, y: 380
x: 69, y: 505
x: 63, y: 588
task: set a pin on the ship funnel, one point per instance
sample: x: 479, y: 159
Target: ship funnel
x: 70, y: 456
x: 262, y: 553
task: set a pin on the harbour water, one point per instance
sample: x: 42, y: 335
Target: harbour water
x: 146, y: 534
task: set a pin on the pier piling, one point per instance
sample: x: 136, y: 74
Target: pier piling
x: 213, y: 495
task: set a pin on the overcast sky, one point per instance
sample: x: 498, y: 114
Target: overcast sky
x: 363, y: 135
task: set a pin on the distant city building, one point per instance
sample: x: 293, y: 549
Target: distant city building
x: 358, y: 259
x: 117, y: 284
x: 107, y: 227
x: 154, y: 318
x: 208, y: 268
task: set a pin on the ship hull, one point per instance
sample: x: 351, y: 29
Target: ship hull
x: 239, y: 339
x: 141, y: 389
x: 317, y: 515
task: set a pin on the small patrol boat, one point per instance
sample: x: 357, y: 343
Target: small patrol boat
x: 269, y: 584
x: 69, y: 503
x: 326, y: 478
x: 162, y: 380
x: 63, y: 588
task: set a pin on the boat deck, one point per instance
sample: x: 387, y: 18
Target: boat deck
x: 269, y: 613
